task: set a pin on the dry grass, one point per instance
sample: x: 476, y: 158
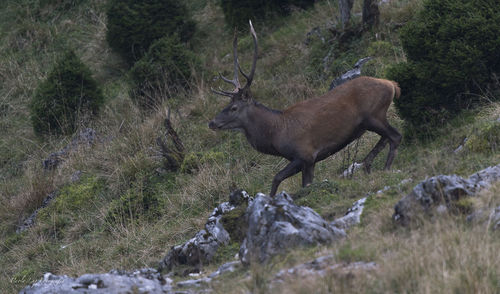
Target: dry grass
x: 444, y: 255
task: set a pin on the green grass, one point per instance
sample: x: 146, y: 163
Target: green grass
x: 126, y: 212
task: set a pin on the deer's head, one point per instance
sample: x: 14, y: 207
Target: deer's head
x: 234, y: 115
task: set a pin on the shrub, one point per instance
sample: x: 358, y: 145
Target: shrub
x: 68, y: 93
x: 452, y: 51
x: 238, y: 12
x: 134, y: 25
x: 486, y: 139
x: 164, y: 70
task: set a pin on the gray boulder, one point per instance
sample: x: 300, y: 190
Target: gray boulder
x: 202, y: 247
x: 352, y: 217
x: 439, y: 193
x: 277, y: 224
x: 495, y: 219
x: 86, y: 137
x: 140, y: 281
x: 30, y: 220
x: 350, y: 74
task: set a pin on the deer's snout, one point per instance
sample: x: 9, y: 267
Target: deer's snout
x: 212, y: 125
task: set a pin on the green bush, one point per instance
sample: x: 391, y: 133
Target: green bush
x: 164, y: 70
x: 238, y: 12
x: 134, y: 25
x: 452, y: 53
x: 68, y: 94
x: 486, y: 139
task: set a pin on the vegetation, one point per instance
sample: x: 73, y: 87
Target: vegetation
x: 66, y: 96
x: 162, y: 72
x: 133, y: 26
x: 452, y: 62
x: 126, y: 210
x: 238, y: 12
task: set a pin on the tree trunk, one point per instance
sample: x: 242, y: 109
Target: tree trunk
x: 345, y: 7
x: 370, y: 13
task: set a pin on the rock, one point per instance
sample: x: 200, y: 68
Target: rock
x: 202, y: 247
x: 225, y: 268
x: 442, y: 192
x: 85, y: 137
x: 319, y: 267
x: 488, y: 216
x: 461, y: 146
x: 495, y: 219
x: 30, y: 221
x: 351, y: 74
x: 75, y: 177
x: 277, y: 224
x: 352, y: 217
x: 194, y: 283
x: 140, y: 281
x: 352, y: 169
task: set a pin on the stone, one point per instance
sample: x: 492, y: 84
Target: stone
x: 277, y: 224
x: 352, y: 217
x: 30, y: 221
x: 87, y: 137
x: 495, y: 219
x: 352, y: 169
x: 350, y: 74
x: 228, y: 267
x: 140, y: 281
x: 200, y: 249
x: 441, y: 192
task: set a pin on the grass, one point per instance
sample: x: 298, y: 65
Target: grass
x: 153, y: 209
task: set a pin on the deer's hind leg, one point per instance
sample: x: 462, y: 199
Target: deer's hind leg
x: 388, y: 135
x: 367, y: 162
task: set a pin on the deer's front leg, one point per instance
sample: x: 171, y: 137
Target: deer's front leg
x: 291, y: 169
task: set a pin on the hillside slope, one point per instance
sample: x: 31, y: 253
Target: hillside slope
x: 123, y: 209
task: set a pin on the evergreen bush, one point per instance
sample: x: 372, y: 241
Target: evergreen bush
x: 68, y: 92
x: 133, y: 25
x: 238, y: 12
x: 161, y: 72
x: 452, y: 49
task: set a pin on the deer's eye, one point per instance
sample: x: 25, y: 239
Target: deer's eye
x: 234, y: 108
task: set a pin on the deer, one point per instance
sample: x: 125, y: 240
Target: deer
x: 311, y: 130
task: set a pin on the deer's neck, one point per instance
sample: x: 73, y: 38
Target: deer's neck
x: 263, y: 125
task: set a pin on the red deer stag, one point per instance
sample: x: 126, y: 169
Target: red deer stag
x: 311, y: 130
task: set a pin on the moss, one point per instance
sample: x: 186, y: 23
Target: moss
x: 82, y: 194
x: 235, y: 223
x: 226, y: 253
x: 464, y: 205
x: 349, y: 253
x: 72, y: 203
x: 25, y: 276
x: 143, y: 199
x: 485, y: 139
x: 193, y: 160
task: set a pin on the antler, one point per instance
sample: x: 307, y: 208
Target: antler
x: 235, y: 81
x: 254, y: 62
